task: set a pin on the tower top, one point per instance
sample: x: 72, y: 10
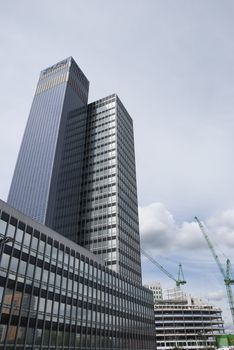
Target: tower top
x: 67, y: 64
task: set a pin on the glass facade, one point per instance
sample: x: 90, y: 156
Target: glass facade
x: 55, y: 294
x: 60, y: 89
x: 96, y: 198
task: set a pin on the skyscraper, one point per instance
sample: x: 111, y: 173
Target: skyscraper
x: 61, y: 88
x: 82, y: 179
x: 98, y: 209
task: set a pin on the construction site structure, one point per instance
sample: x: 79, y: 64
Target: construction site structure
x: 175, y: 294
x: 186, y: 322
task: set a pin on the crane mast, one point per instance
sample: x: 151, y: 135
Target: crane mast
x: 228, y: 280
x: 220, y: 266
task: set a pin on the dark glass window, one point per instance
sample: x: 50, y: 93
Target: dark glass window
x: 30, y: 335
x: 21, y: 335
x: 11, y: 335
x: 38, y: 336
x: 46, y: 337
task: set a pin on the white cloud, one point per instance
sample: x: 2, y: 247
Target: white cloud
x: 222, y: 227
x: 156, y: 225
x: 189, y: 236
x: 217, y: 295
x: 161, y: 233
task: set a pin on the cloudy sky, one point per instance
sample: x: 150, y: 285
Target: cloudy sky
x: 172, y: 64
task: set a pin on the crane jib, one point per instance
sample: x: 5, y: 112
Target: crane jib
x: 228, y: 280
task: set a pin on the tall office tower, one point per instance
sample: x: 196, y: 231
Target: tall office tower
x: 99, y: 147
x: 60, y: 89
x: 89, y: 192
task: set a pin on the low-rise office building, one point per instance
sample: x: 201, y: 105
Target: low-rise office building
x: 57, y: 295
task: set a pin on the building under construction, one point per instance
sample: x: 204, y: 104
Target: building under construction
x: 183, y: 322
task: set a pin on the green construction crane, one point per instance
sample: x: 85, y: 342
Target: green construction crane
x: 228, y: 279
x: 179, y: 280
